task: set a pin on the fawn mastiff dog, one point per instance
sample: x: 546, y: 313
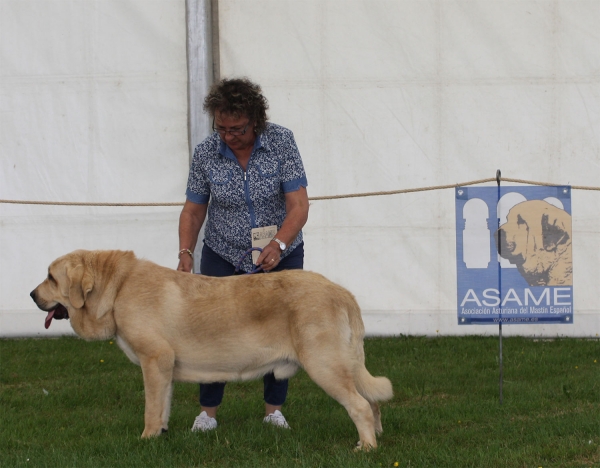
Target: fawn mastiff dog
x: 537, y: 238
x: 194, y: 328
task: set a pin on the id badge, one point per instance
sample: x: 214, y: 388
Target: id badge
x: 260, y: 238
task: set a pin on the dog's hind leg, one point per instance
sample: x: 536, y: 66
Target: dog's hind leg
x: 374, y: 389
x: 158, y: 377
x: 376, y: 417
x: 167, y: 408
x: 339, y: 384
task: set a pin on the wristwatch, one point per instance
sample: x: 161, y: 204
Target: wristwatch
x: 282, y: 245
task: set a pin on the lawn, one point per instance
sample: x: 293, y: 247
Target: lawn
x: 70, y: 403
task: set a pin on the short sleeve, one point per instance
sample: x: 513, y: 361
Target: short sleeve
x: 198, y: 188
x: 292, y: 170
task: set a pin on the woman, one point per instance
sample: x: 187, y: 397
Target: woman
x: 252, y: 173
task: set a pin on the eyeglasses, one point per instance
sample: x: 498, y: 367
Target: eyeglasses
x: 233, y: 132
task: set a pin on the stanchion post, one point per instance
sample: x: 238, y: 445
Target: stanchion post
x: 498, y: 173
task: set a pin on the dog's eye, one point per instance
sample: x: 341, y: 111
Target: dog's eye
x: 50, y: 277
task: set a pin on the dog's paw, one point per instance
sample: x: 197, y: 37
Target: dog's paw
x: 360, y: 447
x: 147, y: 434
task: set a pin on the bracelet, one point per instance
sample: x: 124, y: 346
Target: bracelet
x: 182, y: 251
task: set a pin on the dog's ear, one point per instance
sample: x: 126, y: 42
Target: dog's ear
x: 556, y: 228
x: 111, y: 270
x: 529, y: 234
x: 80, y: 284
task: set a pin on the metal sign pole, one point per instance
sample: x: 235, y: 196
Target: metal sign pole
x: 500, y: 290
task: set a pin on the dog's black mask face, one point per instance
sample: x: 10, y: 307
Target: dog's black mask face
x: 506, y: 247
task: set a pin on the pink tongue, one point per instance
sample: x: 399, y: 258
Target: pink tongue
x: 49, y: 318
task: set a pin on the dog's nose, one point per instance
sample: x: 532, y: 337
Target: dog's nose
x: 32, y: 294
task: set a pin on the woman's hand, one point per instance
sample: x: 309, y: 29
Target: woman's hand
x: 186, y: 262
x: 190, y: 221
x: 270, y: 256
x: 296, y: 207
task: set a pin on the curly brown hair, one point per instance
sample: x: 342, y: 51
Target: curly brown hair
x: 238, y: 97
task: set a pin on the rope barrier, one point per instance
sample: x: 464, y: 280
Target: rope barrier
x: 25, y: 202
x: 325, y: 197
x: 439, y: 187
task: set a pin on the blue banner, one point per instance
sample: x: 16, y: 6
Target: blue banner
x: 514, y: 257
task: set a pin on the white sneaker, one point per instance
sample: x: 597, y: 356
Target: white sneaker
x: 277, y: 419
x: 204, y: 423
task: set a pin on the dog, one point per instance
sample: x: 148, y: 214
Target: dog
x: 537, y: 238
x: 184, y: 327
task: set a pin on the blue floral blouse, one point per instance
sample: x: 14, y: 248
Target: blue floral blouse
x: 240, y: 201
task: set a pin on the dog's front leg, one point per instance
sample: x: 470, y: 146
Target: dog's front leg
x: 158, y: 377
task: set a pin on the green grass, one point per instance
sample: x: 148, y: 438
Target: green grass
x: 61, y: 406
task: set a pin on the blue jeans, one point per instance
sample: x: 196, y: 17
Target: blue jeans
x: 275, y: 390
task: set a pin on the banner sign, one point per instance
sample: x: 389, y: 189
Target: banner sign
x: 513, y: 255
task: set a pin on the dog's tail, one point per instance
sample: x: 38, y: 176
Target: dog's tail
x: 373, y: 388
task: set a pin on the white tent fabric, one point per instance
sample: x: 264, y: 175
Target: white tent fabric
x: 93, y: 98
x: 387, y: 95
x: 381, y: 95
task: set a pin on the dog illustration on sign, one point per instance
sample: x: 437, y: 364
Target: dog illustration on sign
x: 537, y: 239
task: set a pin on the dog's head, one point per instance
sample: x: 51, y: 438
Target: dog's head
x: 536, y: 237
x: 82, y: 286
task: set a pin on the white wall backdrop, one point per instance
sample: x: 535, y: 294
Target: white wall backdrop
x: 387, y: 95
x: 93, y: 108
x: 381, y: 95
